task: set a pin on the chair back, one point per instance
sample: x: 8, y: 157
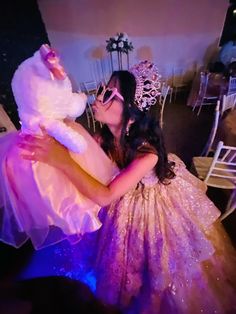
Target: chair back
x: 162, y: 101
x: 228, y: 102
x: 178, y: 77
x: 212, y: 135
x: 232, y: 85
x: 178, y: 81
x: 90, y: 89
x: 204, y: 78
x: 223, y: 167
x: 204, y: 97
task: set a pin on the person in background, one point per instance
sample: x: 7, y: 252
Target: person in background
x: 227, y: 53
x: 161, y: 247
x: 231, y: 70
x: 217, y: 67
x: 217, y: 79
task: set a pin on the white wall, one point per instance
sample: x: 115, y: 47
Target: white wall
x: 171, y: 33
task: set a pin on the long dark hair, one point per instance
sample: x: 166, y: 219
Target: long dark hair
x: 144, y: 129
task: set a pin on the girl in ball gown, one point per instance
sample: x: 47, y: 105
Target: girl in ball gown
x: 161, y: 248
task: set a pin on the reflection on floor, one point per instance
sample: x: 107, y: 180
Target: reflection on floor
x: 61, y: 259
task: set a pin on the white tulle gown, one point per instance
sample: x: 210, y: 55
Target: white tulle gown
x: 38, y: 202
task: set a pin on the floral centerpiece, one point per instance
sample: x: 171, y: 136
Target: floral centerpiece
x: 122, y: 45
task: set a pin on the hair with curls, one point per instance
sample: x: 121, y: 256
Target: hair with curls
x: 144, y: 129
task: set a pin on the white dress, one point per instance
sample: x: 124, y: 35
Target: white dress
x: 39, y: 202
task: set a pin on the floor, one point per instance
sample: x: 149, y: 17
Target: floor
x: 23, y: 290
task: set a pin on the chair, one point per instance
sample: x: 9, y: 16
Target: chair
x: 219, y: 171
x: 232, y: 85
x: 178, y: 83
x: 228, y: 102
x: 106, y: 69
x: 210, y: 141
x: 90, y: 89
x: 101, y: 69
x: 203, y: 97
x: 166, y: 79
x: 162, y: 101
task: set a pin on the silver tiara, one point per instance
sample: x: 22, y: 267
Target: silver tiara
x: 148, y: 84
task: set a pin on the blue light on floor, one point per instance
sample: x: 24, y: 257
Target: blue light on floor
x: 60, y: 259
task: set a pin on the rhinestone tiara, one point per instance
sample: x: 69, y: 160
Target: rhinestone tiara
x: 148, y: 84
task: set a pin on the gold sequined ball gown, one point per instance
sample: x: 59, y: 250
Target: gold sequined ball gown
x: 163, y: 250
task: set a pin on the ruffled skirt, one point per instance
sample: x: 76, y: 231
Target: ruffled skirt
x: 38, y: 202
x: 162, y: 250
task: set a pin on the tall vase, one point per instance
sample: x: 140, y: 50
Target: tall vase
x: 119, y: 58
x: 121, y: 63
x: 112, y: 67
x: 127, y: 60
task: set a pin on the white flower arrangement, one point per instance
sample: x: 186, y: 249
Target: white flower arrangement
x: 120, y: 43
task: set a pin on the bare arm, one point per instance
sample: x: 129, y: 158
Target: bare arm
x: 104, y: 195
x: 51, y: 152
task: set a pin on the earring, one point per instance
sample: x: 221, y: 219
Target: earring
x: 127, y: 129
